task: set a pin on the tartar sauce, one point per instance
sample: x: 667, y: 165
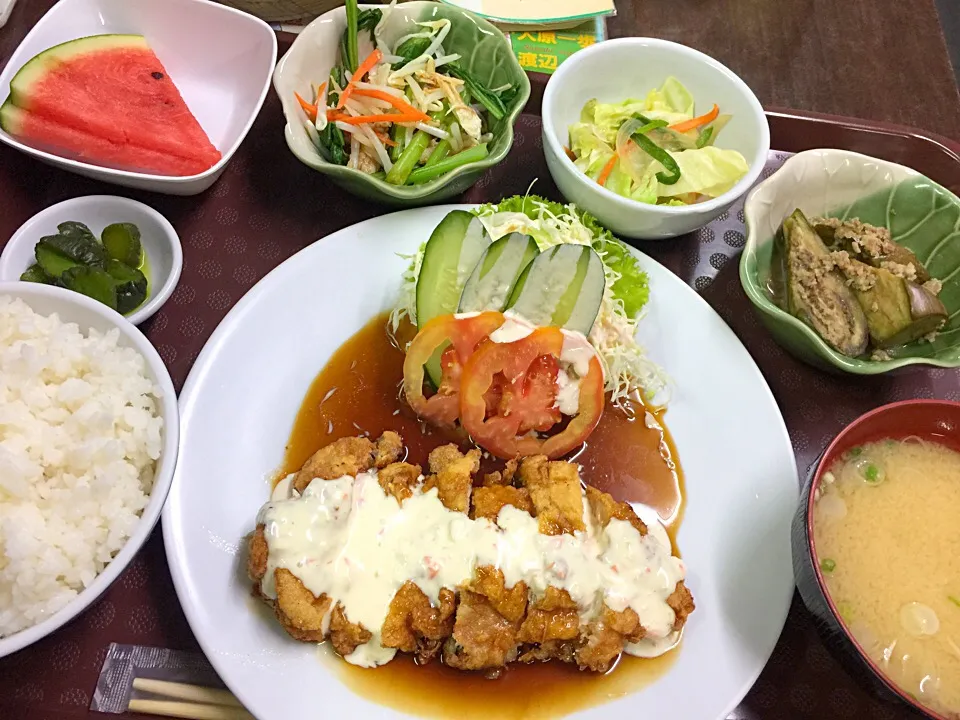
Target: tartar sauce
x: 348, y: 539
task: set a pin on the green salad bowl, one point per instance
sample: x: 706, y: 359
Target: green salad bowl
x: 485, y: 53
x: 920, y: 214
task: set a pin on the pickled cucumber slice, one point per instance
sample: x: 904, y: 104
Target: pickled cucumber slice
x: 122, y: 242
x: 92, y: 282
x: 84, y: 250
x: 497, y: 273
x: 35, y: 273
x: 450, y: 256
x: 131, y: 285
x: 562, y: 287
x: 52, y: 261
x: 74, y: 229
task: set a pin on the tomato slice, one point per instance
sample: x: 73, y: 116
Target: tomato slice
x: 526, y: 368
x: 531, y: 398
x: 463, y: 334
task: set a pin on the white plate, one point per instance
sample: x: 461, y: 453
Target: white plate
x: 239, y: 404
x: 220, y: 59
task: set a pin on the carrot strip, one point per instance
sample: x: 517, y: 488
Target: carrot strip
x: 310, y: 110
x: 385, y: 139
x: 569, y: 153
x: 399, y: 103
x: 364, y: 67
x: 364, y: 119
x: 607, y: 169
x: 696, y: 122
x: 323, y: 86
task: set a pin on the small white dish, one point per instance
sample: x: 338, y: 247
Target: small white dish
x: 87, y: 313
x: 160, y: 242
x: 220, y: 59
x: 615, y: 70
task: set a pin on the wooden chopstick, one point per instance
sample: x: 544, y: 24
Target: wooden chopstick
x: 184, y: 691
x: 193, y: 702
x: 189, y: 710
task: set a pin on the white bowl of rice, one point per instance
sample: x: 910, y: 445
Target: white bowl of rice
x: 89, y: 431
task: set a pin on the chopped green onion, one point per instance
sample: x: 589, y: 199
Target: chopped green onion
x: 845, y: 610
x: 872, y: 473
x: 856, y: 451
x: 426, y: 174
x: 660, y: 155
x: 955, y: 600
x: 828, y: 565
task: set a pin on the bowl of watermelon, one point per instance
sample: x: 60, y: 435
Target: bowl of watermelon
x: 137, y: 92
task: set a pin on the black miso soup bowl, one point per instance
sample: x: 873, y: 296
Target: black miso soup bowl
x: 935, y: 420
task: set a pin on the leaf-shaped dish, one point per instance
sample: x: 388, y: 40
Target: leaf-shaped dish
x: 920, y: 214
x: 486, y: 54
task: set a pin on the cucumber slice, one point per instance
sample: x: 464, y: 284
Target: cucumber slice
x: 497, y: 272
x: 451, y: 254
x: 563, y: 287
x: 52, y: 261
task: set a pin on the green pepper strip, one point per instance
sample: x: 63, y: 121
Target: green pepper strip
x: 426, y: 174
x: 656, y: 152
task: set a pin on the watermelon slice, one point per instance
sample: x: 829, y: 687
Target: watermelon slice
x: 43, y: 134
x: 107, y: 99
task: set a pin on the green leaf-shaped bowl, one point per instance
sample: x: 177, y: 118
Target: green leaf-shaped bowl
x: 485, y: 52
x: 920, y: 214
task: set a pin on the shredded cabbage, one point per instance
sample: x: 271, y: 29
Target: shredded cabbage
x: 626, y: 366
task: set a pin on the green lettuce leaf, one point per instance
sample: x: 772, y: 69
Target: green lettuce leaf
x: 709, y: 171
x: 592, y: 149
x: 671, y: 102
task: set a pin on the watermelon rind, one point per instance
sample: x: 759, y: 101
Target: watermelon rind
x: 35, y: 69
x: 11, y: 117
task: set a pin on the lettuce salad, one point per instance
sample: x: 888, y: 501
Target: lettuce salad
x: 656, y: 150
x: 626, y: 366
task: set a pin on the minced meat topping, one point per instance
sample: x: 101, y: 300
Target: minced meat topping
x: 864, y: 238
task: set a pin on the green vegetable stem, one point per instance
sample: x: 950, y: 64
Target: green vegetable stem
x: 348, y: 46
x: 426, y: 174
x: 439, y: 153
x: 408, y: 159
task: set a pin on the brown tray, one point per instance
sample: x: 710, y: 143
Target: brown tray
x: 267, y: 206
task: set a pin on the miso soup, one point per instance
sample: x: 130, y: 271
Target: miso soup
x: 886, y: 526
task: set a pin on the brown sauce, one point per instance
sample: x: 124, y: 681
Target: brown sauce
x: 358, y: 392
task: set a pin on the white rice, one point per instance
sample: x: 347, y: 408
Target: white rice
x: 80, y: 434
